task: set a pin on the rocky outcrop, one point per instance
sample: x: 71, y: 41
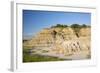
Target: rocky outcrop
x: 62, y: 42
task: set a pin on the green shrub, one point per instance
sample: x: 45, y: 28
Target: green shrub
x: 59, y: 25
x: 84, y: 26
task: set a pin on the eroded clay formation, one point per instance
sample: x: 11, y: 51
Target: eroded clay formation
x: 62, y: 43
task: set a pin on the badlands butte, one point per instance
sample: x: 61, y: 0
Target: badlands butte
x: 69, y: 43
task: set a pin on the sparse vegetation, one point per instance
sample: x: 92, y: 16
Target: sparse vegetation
x: 75, y: 26
x: 72, y: 26
x: 84, y: 26
x: 27, y: 57
x: 60, y: 25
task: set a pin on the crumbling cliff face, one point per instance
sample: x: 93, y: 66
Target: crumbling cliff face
x: 62, y: 43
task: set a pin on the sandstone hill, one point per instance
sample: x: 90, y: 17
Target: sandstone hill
x: 62, y: 42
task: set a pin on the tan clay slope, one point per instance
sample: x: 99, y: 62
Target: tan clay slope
x: 45, y: 36
x: 64, y: 43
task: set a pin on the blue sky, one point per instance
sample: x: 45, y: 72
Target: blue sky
x: 34, y: 21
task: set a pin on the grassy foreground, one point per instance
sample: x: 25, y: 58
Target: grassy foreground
x: 27, y: 57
